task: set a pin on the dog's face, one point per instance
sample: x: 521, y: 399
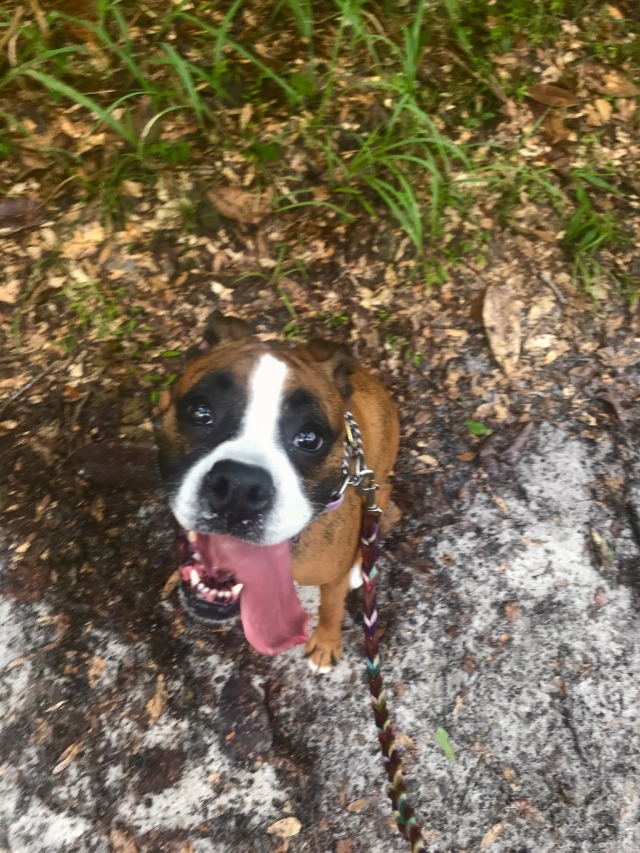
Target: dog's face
x: 251, y: 446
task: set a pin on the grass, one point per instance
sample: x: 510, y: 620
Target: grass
x: 154, y: 84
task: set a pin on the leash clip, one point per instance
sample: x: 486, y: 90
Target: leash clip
x: 362, y: 478
x: 368, y: 488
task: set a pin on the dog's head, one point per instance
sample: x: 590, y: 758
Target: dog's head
x: 251, y: 445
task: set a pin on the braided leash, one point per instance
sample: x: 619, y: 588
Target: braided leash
x: 363, y: 479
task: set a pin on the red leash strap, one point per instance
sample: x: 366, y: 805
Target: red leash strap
x: 403, y: 813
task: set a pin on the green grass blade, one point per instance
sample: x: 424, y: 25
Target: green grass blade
x: 183, y: 70
x: 104, y: 115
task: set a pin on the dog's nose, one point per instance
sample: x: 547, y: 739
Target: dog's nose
x: 237, y: 491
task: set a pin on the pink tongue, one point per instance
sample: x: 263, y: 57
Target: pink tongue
x: 272, y: 616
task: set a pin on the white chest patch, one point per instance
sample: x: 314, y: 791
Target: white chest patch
x: 257, y: 443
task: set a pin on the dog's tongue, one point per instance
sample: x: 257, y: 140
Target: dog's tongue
x: 272, y: 616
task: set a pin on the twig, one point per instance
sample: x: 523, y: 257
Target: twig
x: 24, y: 388
x: 83, y: 402
x: 13, y: 26
x: 40, y: 17
x: 546, y: 278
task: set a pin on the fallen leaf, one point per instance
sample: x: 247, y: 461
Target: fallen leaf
x: 359, y: 805
x: 67, y: 756
x: 625, y: 356
x: 599, y: 112
x: 9, y: 292
x: 599, y: 599
x: 18, y: 208
x: 551, y: 96
x: 344, y: 845
x: 172, y: 582
x: 16, y: 214
x: 96, y: 669
x: 122, y: 842
x: 539, y: 342
x: 528, y: 809
x: 555, y: 129
x: 156, y: 705
x: 608, y: 81
x: 501, y: 318
x: 246, y: 206
x: 512, y: 611
x: 491, y: 836
x: 428, y: 460
x: 287, y: 827
x: 85, y: 241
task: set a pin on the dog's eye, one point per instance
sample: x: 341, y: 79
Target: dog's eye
x: 309, y: 439
x: 199, y: 412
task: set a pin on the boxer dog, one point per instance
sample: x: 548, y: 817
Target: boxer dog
x: 251, y: 445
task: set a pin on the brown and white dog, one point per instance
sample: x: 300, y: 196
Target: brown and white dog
x: 251, y: 443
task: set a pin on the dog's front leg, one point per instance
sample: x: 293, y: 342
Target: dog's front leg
x: 324, y: 649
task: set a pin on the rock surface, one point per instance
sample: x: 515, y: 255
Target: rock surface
x: 512, y: 625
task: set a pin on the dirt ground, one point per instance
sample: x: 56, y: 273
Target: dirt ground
x: 509, y: 591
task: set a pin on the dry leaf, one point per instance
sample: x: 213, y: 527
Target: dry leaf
x: 491, y: 836
x: 540, y: 342
x: 599, y: 112
x: 84, y: 242
x: 172, y: 582
x: 618, y: 85
x: 512, y: 611
x: 551, y: 96
x: 359, y: 805
x: 528, y: 809
x: 67, y: 756
x: 608, y: 81
x: 287, y: 827
x: 9, y: 292
x: 96, y: 668
x: 122, y: 842
x: 428, y: 460
x: 555, y: 129
x: 246, y: 206
x: 156, y: 705
x: 16, y: 214
x: 345, y: 845
x: 501, y: 318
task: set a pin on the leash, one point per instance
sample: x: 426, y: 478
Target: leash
x: 363, y: 479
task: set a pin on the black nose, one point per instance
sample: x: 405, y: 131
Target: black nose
x: 238, y: 492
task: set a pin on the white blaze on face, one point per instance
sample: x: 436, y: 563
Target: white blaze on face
x: 258, y: 443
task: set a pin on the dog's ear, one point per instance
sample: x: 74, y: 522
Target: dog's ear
x: 335, y: 359
x: 218, y: 329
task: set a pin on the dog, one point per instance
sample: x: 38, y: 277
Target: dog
x: 251, y: 442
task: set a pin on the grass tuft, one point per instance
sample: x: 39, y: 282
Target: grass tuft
x: 395, y: 104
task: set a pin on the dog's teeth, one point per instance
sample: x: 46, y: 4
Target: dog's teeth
x: 192, y: 536
x: 194, y: 577
x: 201, y: 587
x: 237, y: 589
x: 196, y: 556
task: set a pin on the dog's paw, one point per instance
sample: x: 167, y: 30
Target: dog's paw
x: 323, y: 653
